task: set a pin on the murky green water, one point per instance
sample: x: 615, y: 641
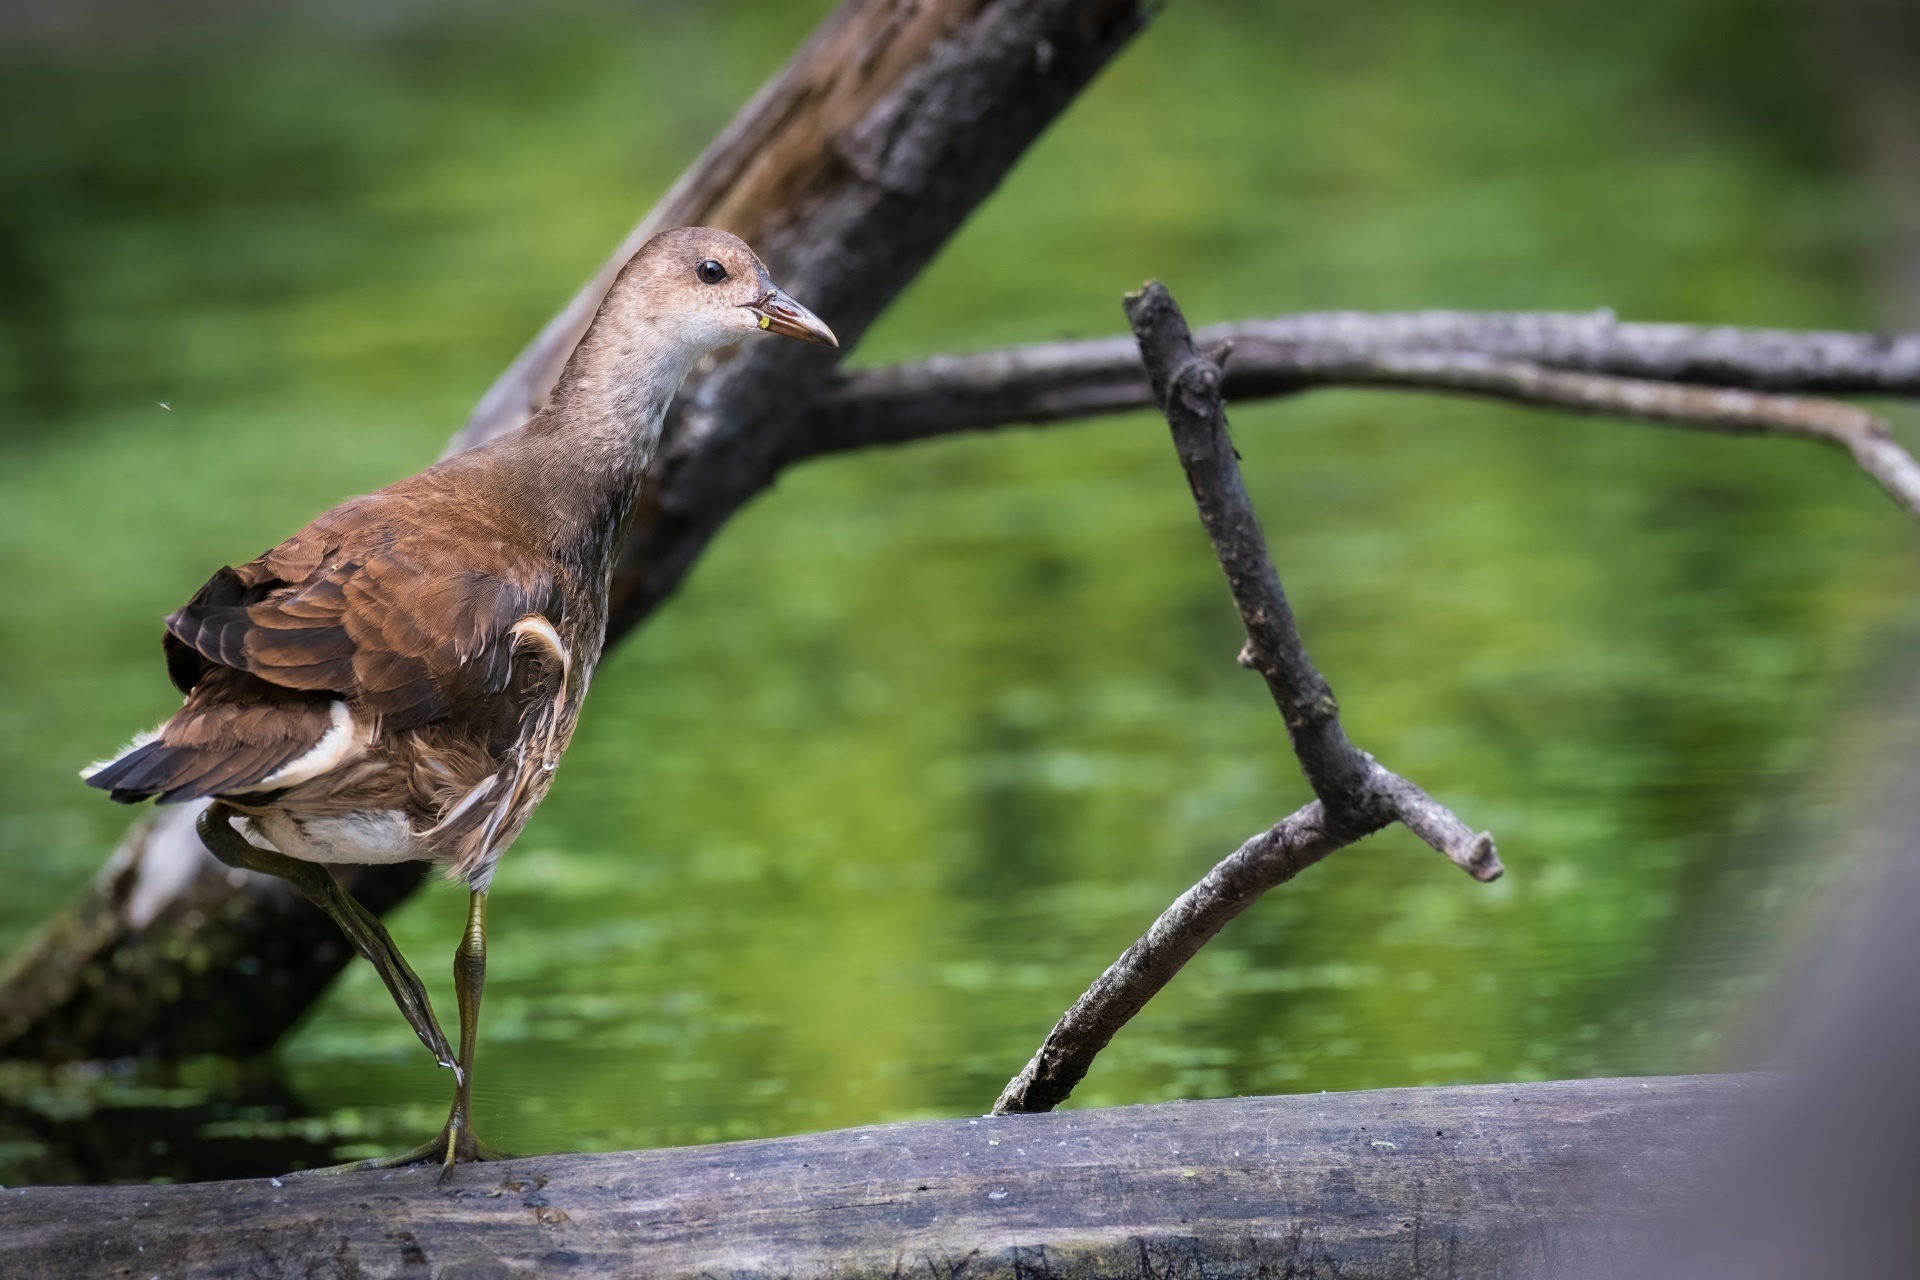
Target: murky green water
x: 932, y: 734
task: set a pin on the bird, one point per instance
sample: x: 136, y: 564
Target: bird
x: 398, y: 680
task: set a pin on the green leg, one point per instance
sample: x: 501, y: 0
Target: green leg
x: 469, y: 978
x: 363, y: 929
x: 456, y: 1143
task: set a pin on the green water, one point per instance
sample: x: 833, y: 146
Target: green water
x: 932, y: 734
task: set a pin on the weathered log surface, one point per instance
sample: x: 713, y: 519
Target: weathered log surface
x: 1533, y: 1180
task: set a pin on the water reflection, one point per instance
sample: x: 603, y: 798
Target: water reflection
x: 125, y: 1123
x: 931, y: 735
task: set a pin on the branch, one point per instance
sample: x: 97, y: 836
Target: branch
x: 1357, y: 796
x: 166, y: 953
x: 1715, y: 379
x: 1061, y: 381
x: 1356, y: 791
x: 1866, y: 436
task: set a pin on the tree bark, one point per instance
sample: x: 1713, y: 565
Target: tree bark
x: 847, y: 171
x: 1529, y: 1180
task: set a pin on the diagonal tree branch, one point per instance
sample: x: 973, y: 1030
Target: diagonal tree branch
x: 847, y: 171
x: 1357, y: 796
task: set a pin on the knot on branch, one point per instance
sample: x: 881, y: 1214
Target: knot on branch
x: 1197, y: 378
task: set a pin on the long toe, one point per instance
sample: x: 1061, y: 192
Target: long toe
x: 446, y: 1150
x: 425, y: 1153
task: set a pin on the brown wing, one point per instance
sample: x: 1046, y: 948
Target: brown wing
x: 392, y: 610
x: 397, y: 603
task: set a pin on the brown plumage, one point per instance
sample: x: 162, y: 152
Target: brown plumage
x: 398, y: 679
x: 399, y: 608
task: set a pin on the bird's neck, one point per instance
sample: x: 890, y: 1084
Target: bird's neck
x: 611, y: 399
x: 590, y: 448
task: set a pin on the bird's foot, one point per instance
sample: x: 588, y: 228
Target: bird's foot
x: 456, y: 1144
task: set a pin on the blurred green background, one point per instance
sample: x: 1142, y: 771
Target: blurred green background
x: 932, y: 734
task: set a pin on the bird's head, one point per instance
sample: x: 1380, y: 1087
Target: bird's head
x: 710, y: 290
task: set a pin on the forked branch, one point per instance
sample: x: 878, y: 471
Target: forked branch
x: 1357, y: 796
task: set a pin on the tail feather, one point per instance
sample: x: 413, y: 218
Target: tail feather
x: 176, y: 774
x: 234, y: 734
x: 144, y: 770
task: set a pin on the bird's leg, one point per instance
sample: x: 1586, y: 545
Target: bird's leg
x: 363, y: 929
x: 456, y: 1143
x: 469, y: 978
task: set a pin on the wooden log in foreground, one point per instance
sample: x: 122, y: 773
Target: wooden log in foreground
x: 1531, y: 1180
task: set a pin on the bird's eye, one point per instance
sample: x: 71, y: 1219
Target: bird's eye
x: 710, y: 272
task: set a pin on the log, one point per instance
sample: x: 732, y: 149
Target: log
x: 1483, y: 1180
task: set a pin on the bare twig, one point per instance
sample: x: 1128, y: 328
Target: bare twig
x: 1718, y: 379
x: 1730, y: 410
x: 1356, y: 791
x: 1357, y: 796
x: 1271, y: 858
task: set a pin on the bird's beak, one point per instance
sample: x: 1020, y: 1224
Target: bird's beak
x: 780, y: 314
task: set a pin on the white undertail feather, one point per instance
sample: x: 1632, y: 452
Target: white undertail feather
x: 139, y: 740
x: 501, y: 812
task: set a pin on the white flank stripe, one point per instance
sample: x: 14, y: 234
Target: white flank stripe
x: 338, y: 745
x: 535, y: 625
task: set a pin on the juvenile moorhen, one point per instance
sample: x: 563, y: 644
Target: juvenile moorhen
x: 398, y: 680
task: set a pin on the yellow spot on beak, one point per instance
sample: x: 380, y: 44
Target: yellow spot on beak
x: 766, y: 322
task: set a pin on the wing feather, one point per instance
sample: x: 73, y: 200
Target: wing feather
x: 395, y: 603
